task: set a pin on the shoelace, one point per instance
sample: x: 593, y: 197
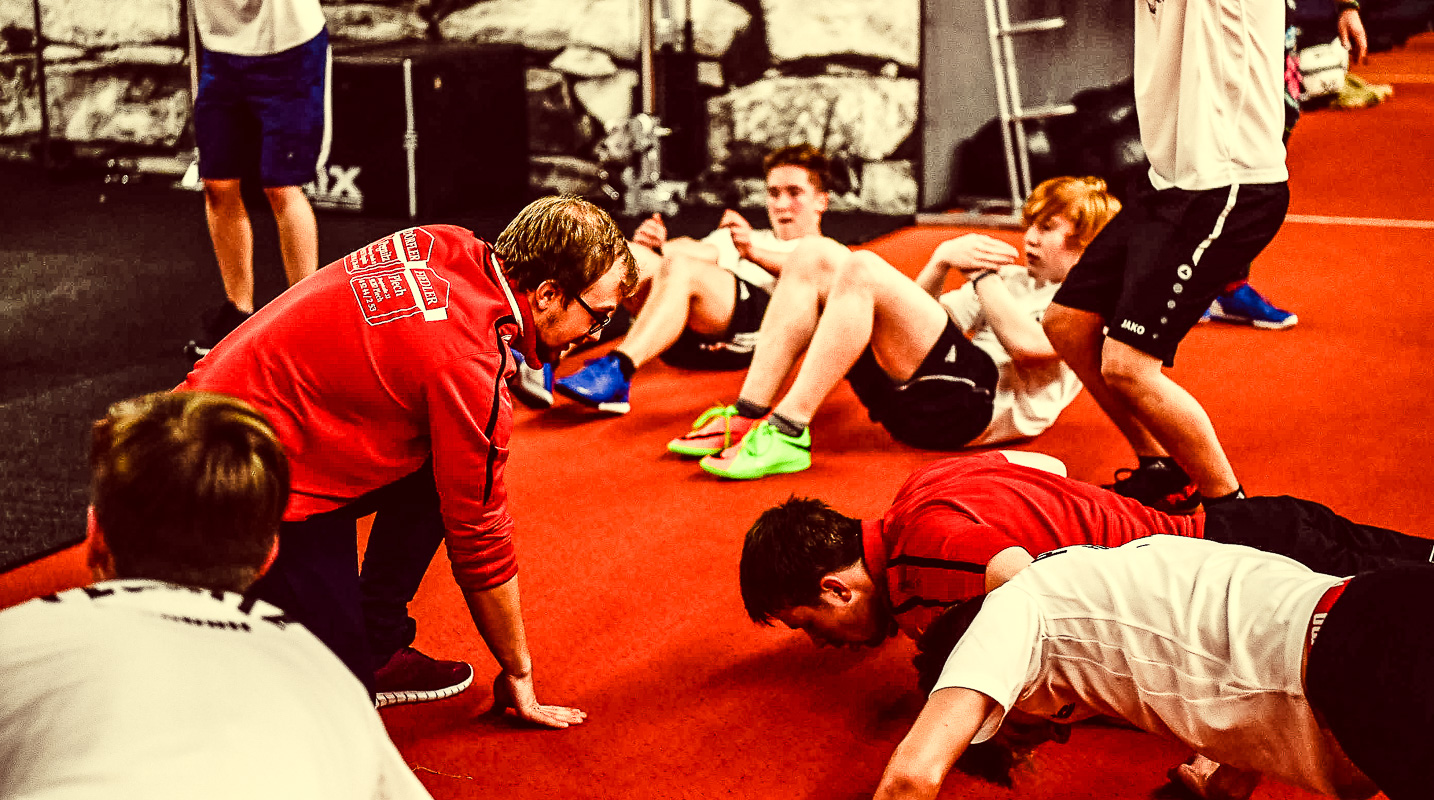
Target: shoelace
x: 713, y: 412
x: 759, y: 439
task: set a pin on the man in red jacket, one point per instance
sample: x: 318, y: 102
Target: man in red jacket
x: 385, y: 377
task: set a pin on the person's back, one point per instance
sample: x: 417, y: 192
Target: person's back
x: 1185, y: 638
x: 142, y: 689
x: 161, y: 679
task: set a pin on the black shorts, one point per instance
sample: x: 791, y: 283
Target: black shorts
x: 1313, y: 535
x: 734, y: 349
x: 1369, y: 678
x: 1153, y: 270
x: 946, y: 404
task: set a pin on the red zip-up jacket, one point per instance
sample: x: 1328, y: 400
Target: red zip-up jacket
x: 398, y: 351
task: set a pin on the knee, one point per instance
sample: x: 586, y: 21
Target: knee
x: 673, y: 268
x: 222, y: 194
x: 1123, y: 375
x: 816, y: 260
x: 281, y: 197
x: 855, y: 274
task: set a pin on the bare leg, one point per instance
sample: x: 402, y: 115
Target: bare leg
x: 791, y: 319
x: 683, y: 293
x: 1171, y: 414
x: 233, y: 240
x: 298, y: 232
x: 1078, y: 336
x: 869, y: 302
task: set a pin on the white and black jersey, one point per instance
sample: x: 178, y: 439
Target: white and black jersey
x: 1190, y: 639
x: 141, y: 689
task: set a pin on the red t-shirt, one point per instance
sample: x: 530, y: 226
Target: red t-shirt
x: 951, y: 517
x: 394, y: 354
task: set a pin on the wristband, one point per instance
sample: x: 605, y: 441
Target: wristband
x: 1348, y: 5
x: 975, y: 279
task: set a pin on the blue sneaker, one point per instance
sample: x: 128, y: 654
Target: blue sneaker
x: 533, y: 387
x: 1244, y: 305
x: 598, y: 384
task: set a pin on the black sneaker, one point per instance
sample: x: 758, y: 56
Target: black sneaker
x: 217, y: 324
x: 1158, y: 486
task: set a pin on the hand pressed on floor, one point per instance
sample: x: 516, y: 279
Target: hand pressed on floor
x: 516, y: 694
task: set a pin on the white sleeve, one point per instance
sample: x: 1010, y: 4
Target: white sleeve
x: 999, y: 656
x: 721, y: 239
x: 396, y: 780
x: 965, y: 308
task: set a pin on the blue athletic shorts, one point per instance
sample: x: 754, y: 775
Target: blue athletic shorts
x: 265, y: 112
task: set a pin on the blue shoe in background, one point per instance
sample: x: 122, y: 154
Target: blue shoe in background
x: 533, y: 387
x: 599, y: 384
x: 1245, y: 306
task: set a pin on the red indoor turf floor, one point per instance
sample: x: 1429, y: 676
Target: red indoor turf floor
x: 629, y: 554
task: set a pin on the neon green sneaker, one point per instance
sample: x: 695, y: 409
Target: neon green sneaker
x: 719, y: 428
x: 764, y: 451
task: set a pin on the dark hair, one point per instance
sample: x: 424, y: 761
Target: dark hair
x: 805, y: 156
x: 788, y: 550
x: 566, y: 240
x: 996, y: 758
x: 188, y: 487
x: 940, y: 638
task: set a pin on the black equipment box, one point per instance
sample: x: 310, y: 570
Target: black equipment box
x: 422, y: 129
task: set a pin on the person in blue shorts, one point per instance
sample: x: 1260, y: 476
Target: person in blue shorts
x: 261, y: 111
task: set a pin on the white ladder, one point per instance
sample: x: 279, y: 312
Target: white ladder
x: 1013, y: 115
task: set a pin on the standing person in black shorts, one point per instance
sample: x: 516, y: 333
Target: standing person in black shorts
x: 262, y: 104
x: 1211, y: 121
x: 699, y: 303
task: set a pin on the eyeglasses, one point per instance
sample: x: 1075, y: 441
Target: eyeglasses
x: 599, y: 322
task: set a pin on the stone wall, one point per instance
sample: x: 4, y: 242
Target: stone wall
x: 115, y: 72
x: 840, y: 74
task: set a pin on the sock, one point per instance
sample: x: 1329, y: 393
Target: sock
x: 750, y: 410
x: 1233, y: 285
x: 1238, y: 494
x: 787, y: 426
x: 624, y: 363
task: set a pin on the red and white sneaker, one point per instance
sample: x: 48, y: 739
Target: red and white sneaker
x: 412, y: 677
x: 719, y: 428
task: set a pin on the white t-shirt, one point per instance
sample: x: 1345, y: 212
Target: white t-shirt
x: 1209, y: 91
x: 144, y: 690
x: 1186, y: 638
x: 751, y: 272
x: 257, y: 27
x: 1028, y: 399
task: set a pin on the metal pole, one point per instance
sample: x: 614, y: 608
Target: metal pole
x: 648, y: 45
x: 1013, y: 89
x: 192, y: 29
x: 1003, y: 103
x: 40, y: 82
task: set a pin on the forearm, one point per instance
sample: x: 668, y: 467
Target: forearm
x: 498, y: 615
x: 941, y: 733
x: 932, y: 278
x: 1023, y: 338
x: 901, y: 787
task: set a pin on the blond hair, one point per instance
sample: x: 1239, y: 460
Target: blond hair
x: 566, y: 240
x: 1086, y: 202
